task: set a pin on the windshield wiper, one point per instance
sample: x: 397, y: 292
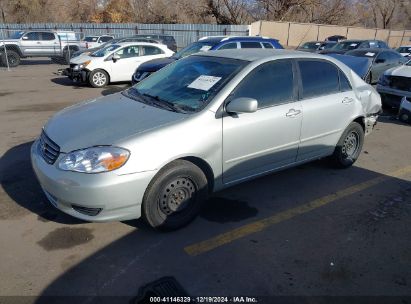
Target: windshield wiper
x: 165, y: 103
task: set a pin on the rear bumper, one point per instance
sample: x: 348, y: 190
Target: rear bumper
x: 110, y: 196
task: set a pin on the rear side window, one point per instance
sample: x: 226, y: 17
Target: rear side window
x: 344, y: 83
x: 250, y: 45
x: 47, y: 36
x: 318, y: 78
x: 152, y: 50
x: 270, y: 84
x: 232, y: 45
x: 268, y: 45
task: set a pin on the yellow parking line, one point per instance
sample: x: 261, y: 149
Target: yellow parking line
x: 259, y: 225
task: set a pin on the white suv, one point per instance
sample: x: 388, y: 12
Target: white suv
x: 115, y: 62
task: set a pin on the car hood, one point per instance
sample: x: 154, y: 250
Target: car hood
x: 81, y: 58
x: 105, y: 121
x: 402, y: 70
x: 155, y: 64
x: 360, y: 65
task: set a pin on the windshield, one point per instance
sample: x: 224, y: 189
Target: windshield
x: 310, y: 46
x: 404, y: 49
x: 104, y: 51
x: 187, y: 85
x: 346, y: 45
x: 195, y: 47
x: 17, y: 35
x: 408, y: 63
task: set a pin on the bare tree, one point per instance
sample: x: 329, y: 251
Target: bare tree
x: 228, y: 11
x: 383, y: 11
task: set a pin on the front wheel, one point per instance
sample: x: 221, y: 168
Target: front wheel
x: 349, y: 146
x: 98, y: 79
x: 175, y: 196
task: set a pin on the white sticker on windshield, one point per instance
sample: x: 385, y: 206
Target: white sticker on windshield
x: 204, y: 82
x: 353, y: 44
x: 370, y: 54
x: 317, y: 43
x: 205, y: 48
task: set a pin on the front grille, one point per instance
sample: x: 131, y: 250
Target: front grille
x: 48, y: 149
x: 400, y: 83
x: 86, y: 210
x: 72, y: 65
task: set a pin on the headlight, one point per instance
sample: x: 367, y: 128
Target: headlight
x: 94, y: 160
x: 84, y: 64
x: 383, y: 80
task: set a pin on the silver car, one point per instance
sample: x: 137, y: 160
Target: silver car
x: 159, y: 149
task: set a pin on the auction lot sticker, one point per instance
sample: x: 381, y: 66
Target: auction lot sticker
x: 204, y: 82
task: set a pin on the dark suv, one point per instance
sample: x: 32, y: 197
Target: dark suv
x: 206, y: 44
x: 164, y: 39
x: 349, y: 45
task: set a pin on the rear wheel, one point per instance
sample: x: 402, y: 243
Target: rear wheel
x: 13, y: 58
x: 349, y: 146
x: 175, y: 196
x: 98, y: 78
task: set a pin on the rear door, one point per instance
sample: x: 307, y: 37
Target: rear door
x: 327, y: 101
x: 48, y: 43
x: 254, y: 143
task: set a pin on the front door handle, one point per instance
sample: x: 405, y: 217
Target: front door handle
x: 347, y: 100
x: 293, y: 113
x: 38, y: 42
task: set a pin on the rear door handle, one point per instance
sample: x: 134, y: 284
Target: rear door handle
x: 347, y: 100
x: 293, y: 113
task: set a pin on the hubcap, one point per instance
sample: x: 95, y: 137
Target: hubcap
x: 350, y: 145
x: 177, y: 195
x: 99, y: 79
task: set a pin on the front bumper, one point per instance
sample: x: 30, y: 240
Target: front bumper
x: 391, y: 97
x: 114, y: 197
x: 76, y: 75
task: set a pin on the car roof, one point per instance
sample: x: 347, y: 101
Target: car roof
x: 258, y: 54
x: 233, y: 38
x: 140, y: 43
x: 371, y: 50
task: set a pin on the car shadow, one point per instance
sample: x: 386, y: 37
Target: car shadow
x: 145, y: 255
x: 65, y: 81
x: 18, y: 180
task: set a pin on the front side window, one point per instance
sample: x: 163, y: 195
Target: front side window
x: 250, y: 45
x: 105, y: 38
x: 187, y: 85
x: 151, y: 50
x: 129, y: 51
x: 318, y: 78
x: 32, y: 36
x: 270, y: 84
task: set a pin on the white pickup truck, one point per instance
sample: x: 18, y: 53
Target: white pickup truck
x: 57, y: 45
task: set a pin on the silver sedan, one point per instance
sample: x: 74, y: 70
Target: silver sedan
x: 159, y: 149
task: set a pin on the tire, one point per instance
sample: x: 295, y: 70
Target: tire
x: 349, y: 146
x: 404, y: 117
x: 66, y: 57
x: 13, y: 58
x: 98, y: 78
x: 175, y: 195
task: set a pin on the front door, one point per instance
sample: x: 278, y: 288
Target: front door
x: 255, y: 143
x: 30, y: 44
x: 124, y: 68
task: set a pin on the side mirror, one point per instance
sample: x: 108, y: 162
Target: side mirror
x: 242, y: 105
x: 25, y: 38
x: 380, y: 61
x: 115, y: 57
